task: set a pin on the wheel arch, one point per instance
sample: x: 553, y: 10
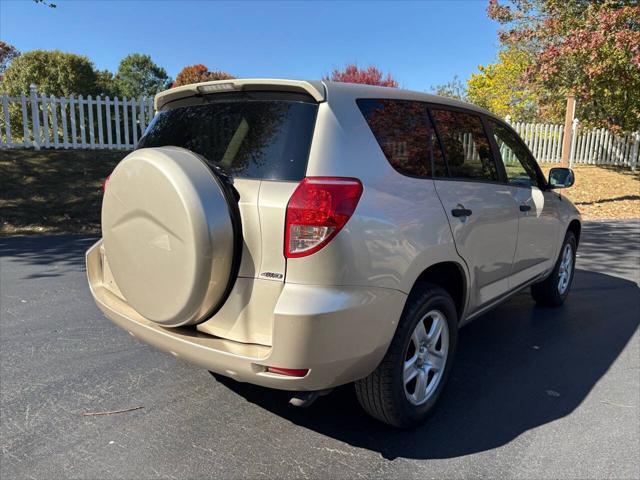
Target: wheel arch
x: 576, y: 227
x: 448, y: 275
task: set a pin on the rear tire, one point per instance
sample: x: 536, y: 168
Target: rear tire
x: 404, y: 388
x: 553, y: 290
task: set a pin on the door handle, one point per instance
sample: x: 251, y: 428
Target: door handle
x: 525, y: 208
x: 461, y: 212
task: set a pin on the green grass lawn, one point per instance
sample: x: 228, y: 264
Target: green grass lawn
x: 60, y: 191
x: 53, y: 191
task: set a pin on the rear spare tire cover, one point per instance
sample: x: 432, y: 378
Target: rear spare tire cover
x: 168, y: 235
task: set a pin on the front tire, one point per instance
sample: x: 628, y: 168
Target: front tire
x: 404, y: 388
x: 553, y: 290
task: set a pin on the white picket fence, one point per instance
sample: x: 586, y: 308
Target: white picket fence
x: 44, y: 121
x: 589, y: 146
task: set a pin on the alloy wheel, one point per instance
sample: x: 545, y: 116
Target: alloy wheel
x: 565, y: 270
x: 426, y: 357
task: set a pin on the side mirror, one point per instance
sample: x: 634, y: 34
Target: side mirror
x: 561, y: 177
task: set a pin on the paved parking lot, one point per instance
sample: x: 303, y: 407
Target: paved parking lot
x: 535, y: 393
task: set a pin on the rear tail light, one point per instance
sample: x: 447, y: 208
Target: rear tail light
x: 316, y: 212
x: 290, y: 372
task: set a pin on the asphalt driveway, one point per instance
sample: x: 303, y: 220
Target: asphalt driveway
x: 535, y: 393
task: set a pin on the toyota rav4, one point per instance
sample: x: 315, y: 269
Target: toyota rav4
x: 304, y: 235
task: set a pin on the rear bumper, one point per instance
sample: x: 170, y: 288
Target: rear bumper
x: 339, y: 334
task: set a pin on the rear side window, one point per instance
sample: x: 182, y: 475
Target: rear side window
x: 259, y: 136
x: 465, y: 144
x: 405, y: 135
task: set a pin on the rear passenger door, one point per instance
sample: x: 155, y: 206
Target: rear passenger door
x: 479, y: 205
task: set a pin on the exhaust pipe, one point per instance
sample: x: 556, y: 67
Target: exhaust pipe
x: 306, y: 399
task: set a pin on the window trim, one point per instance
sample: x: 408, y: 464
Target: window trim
x: 542, y: 181
x: 499, y: 170
x: 444, y: 157
x: 496, y: 151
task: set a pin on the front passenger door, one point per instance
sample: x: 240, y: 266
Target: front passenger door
x: 538, y: 222
x: 479, y: 206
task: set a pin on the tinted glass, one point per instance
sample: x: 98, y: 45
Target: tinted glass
x: 517, y: 161
x: 242, y: 134
x: 405, y: 135
x: 465, y: 144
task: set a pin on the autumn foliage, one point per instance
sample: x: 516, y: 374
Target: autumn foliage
x: 502, y: 88
x: 368, y: 76
x: 199, y: 73
x: 587, y: 49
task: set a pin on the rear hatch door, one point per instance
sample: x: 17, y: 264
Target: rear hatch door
x: 260, y: 140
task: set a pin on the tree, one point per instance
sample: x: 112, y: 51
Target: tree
x: 139, y: 76
x: 453, y: 89
x: 501, y: 87
x: 199, y: 73
x: 46, y: 3
x: 54, y: 72
x: 7, y: 53
x: 369, y: 76
x: 588, y: 49
x: 106, y: 84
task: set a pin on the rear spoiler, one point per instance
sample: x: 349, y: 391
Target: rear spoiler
x: 314, y: 88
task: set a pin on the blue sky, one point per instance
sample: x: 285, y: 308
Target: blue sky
x: 420, y: 43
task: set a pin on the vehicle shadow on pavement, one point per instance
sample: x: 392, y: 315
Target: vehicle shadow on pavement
x: 47, y: 250
x: 518, y: 367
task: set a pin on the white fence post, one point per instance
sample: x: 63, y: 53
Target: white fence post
x: 134, y: 122
x: 35, y: 116
x: 63, y: 114
x: 589, y: 141
x: 45, y: 121
x: 83, y: 130
x: 54, y: 121
x: 92, y: 135
x: 574, y: 137
x: 99, y: 114
x: 558, y: 152
x: 634, y: 151
x: 125, y: 102
x: 107, y: 105
x: 25, y: 120
x: 116, y: 108
x: 72, y: 116
x: 142, y: 116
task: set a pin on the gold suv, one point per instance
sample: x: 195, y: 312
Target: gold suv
x: 303, y: 235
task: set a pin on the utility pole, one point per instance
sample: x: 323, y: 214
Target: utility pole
x: 568, y: 129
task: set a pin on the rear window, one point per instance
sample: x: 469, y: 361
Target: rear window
x: 250, y: 135
x: 405, y: 135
